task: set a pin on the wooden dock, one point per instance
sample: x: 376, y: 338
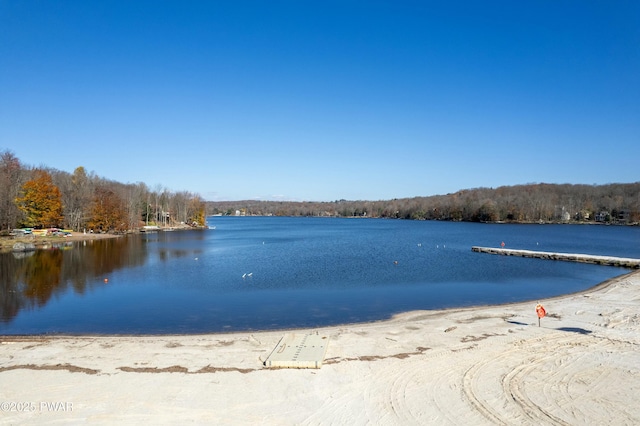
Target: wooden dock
x: 623, y: 262
x: 298, y: 351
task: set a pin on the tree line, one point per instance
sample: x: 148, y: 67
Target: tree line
x: 41, y: 197
x: 531, y: 203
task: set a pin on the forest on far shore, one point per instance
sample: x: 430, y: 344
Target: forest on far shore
x: 616, y: 203
x: 43, y: 197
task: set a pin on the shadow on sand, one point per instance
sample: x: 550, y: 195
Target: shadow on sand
x: 575, y: 330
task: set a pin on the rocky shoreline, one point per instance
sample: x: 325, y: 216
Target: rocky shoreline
x: 37, y: 242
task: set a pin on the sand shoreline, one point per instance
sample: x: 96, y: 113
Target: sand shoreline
x: 396, y: 317
x: 477, y: 365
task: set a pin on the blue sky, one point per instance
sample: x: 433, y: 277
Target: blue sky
x: 324, y: 100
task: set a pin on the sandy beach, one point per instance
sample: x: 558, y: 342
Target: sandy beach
x: 482, y: 365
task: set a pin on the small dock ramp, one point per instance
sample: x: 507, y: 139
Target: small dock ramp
x: 298, y: 351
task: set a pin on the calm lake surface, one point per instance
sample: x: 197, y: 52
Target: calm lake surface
x: 259, y: 273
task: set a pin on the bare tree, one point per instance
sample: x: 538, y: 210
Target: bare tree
x: 11, y: 179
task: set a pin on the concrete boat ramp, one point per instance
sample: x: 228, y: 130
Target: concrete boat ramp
x: 624, y: 262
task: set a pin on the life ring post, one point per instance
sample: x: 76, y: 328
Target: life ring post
x: 541, y: 312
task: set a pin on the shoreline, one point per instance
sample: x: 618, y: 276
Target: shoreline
x: 396, y: 317
x: 41, y: 242
x: 483, y: 364
x: 6, y: 243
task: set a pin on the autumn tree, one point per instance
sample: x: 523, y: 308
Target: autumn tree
x: 107, y: 211
x: 196, y: 211
x: 41, y: 201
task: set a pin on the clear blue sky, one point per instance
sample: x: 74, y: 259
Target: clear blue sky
x: 323, y: 100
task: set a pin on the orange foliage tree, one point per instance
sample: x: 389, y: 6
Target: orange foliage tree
x: 41, y: 202
x: 107, y: 211
x: 196, y: 211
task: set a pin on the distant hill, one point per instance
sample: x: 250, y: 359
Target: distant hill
x: 617, y: 203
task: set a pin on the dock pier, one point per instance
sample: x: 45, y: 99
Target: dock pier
x: 623, y: 262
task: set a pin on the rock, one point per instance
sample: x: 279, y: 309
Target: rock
x: 21, y: 247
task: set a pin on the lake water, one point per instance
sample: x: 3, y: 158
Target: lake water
x: 258, y: 273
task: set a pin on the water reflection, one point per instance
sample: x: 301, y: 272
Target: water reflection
x: 177, y: 244
x: 31, y: 280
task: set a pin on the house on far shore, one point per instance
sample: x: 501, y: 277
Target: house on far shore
x: 617, y: 216
x: 563, y: 214
x: 623, y: 216
x: 583, y: 215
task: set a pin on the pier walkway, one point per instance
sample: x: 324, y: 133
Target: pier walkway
x: 624, y: 262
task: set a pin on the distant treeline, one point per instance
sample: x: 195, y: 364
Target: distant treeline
x: 44, y: 197
x: 612, y: 203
